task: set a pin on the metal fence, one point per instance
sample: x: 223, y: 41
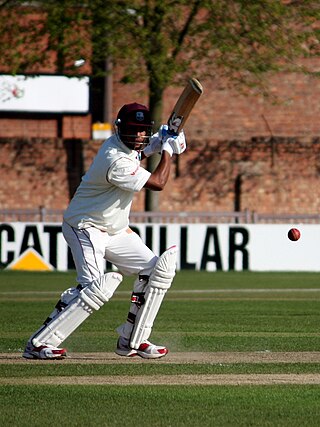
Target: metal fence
x: 31, y: 215
x: 260, y: 218
x: 245, y: 217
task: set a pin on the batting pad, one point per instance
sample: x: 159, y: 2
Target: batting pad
x: 160, y: 281
x: 91, y: 298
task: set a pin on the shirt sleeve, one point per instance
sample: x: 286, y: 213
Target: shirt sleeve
x: 127, y: 174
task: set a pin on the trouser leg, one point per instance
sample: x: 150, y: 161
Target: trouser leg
x: 132, y: 257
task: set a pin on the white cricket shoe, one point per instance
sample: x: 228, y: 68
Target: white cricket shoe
x: 147, y: 350
x: 44, y: 352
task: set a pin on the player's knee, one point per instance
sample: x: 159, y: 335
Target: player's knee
x: 97, y: 293
x: 164, y: 270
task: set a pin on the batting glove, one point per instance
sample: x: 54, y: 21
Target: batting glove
x: 154, y: 145
x: 174, y: 144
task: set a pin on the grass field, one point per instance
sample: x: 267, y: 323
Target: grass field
x: 244, y: 351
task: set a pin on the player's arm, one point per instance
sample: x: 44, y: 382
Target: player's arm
x: 159, y: 177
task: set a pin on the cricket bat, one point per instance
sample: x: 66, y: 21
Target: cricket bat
x: 184, y: 106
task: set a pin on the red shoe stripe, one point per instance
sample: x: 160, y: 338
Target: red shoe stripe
x: 143, y: 347
x: 62, y: 351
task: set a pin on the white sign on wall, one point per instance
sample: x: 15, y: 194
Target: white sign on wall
x: 44, y: 94
x: 210, y: 247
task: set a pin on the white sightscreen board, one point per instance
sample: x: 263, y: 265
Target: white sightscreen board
x: 44, y: 94
x: 254, y: 247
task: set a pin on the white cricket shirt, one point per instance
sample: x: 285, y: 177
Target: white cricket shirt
x: 104, y: 196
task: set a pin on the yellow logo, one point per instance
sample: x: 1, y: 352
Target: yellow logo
x: 30, y: 260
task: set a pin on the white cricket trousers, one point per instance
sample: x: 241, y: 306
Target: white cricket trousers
x: 91, y: 247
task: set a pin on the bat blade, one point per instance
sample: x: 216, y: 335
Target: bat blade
x: 184, y: 105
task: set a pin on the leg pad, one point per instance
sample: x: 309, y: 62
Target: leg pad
x: 160, y: 281
x: 90, y: 298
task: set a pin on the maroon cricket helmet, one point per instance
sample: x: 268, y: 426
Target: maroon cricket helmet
x: 134, y: 114
x: 132, y: 118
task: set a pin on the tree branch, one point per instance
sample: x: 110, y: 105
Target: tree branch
x: 186, y: 27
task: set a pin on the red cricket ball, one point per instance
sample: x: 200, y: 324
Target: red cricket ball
x: 294, y: 234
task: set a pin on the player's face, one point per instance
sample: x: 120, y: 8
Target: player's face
x: 137, y: 137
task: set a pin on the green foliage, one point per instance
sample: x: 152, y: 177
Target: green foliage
x: 163, y: 40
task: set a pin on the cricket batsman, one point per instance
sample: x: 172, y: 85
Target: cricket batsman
x: 96, y: 228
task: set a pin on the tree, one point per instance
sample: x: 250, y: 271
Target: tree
x: 162, y: 42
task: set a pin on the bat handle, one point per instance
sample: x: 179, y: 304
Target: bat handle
x: 171, y: 132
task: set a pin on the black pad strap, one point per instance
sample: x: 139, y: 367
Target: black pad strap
x: 143, y: 278
x: 131, y: 318
x: 138, y: 298
x: 60, y: 305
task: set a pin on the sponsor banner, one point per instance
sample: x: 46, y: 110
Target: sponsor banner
x: 209, y: 247
x: 44, y: 94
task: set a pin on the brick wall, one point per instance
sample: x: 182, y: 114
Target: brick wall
x: 277, y: 175
x: 265, y: 175
x: 33, y: 173
x: 37, y: 126
x: 244, y: 152
x: 291, y: 109
x: 28, y: 127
